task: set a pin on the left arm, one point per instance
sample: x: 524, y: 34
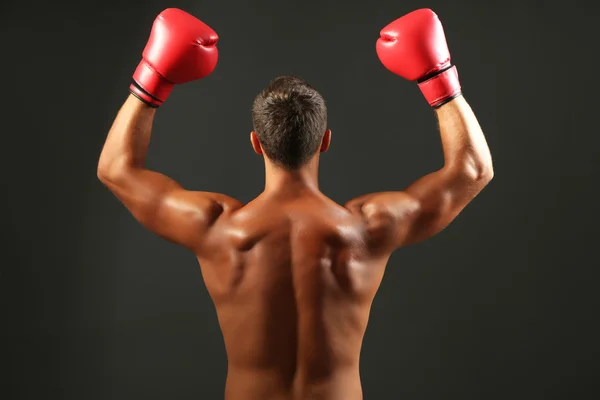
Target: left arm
x: 159, y: 203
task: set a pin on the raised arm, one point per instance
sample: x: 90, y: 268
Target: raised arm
x: 432, y: 202
x: 180, y: 49
x: 414, y: 47
x: 156, y: 201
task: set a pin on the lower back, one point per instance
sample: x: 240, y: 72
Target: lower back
x: 266, y: 385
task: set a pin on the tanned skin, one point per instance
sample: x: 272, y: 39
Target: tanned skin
x: 293, y: 274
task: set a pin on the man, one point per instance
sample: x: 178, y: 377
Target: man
x: 293, y: 274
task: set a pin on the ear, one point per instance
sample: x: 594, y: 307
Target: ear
x: 255, y: 143
x: 326, y: 142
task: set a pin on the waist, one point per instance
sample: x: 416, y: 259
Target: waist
x: 338, y: 382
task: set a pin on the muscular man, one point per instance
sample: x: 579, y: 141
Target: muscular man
x: 292, y: 274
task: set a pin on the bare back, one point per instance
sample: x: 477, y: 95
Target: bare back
x: 292, y: 283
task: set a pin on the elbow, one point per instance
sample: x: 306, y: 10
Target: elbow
x: 487, y: 174
x: 111, y: 171
x: 105, y: 171
x: 102, y: 172
x: 485, y: 170
x: 480, y: 171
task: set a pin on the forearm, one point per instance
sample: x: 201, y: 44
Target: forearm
x: 464, y: 144
x: 128, y: 139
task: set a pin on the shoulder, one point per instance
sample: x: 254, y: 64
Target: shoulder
x: 376, y: 206
x: 215, y: 202
x: 229, y: 204
x: 384, y: 216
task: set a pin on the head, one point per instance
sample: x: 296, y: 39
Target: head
x: 290, y: 123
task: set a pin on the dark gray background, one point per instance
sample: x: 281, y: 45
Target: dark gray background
x: 502, y: 305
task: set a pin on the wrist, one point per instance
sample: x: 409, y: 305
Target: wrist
x: 441, y: 87
x: 149, y: 86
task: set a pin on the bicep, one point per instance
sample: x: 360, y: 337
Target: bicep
x: 165, y: 208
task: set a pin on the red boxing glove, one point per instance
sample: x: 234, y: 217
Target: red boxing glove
x: 414, y: 47
x: 181, y: 49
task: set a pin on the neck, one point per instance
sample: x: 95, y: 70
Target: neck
x: 304, y: 178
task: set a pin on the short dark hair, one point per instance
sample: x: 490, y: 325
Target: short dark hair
x: 290, y: 118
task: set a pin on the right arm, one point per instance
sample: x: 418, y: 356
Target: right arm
x: 396, y: 219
